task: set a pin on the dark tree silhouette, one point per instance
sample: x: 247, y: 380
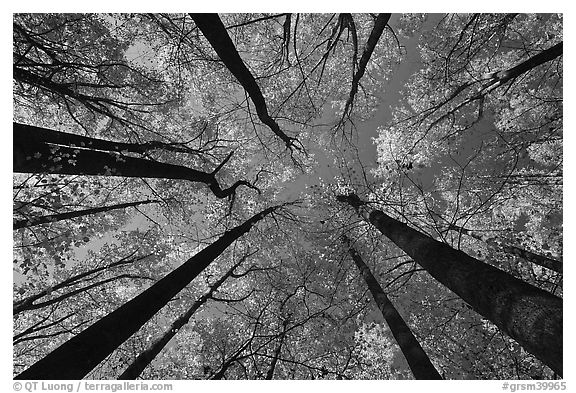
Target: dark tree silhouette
x: 417, y: 359
x: 379, y: 25
x: 531, y: 316
x: 46, y: 135
x: 215, y: 32
x: 31, y: 156
x: 527, y: 255
x: 138, y: 365
x: 79, y: 355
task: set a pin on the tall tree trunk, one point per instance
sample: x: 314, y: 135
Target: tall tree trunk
x: 531, y: 316
x: 380, y: 24
x: 417, y: 359
x: 533, y: 62
x: 529, y: 256
x: 28, y: 302
x: 138, y: 365
x: 215, y: 32
x: 76, y: 357
x: 272, y: 368
x: 31, y: 156
x: 46, y: 135
x: 30, y: 222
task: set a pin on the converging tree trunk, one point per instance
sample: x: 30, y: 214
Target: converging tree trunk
x: 77, y: 356
x: 138, y: 365
x: 215, y: 32
x: 527, y: 255
x: 417, y: 359
x: 531, y: 316
x: 31, y: 156
x: 46, y: 135
x: 380, y: 24
x: 547, y: 55
x: 33, y: 221
x: 277, y: 351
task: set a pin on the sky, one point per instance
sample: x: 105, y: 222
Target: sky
x: 368, y: 130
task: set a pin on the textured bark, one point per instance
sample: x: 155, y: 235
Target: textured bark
x: 531, y: 316
x: 77, y: 356
x: 215, y: 32
x: 145, y: 358
x: 417, y: 359
x: 30, y: 222
x: 529, y: 256
x: 31, y: 156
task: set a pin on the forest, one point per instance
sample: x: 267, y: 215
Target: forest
x: 287, y: 196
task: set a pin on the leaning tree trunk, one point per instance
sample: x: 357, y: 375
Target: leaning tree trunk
x: 215, y: 32
x: 33, y: 221
x: 417, y: 359
x: 276, y: 356
x: 77, y: 356
x: 138, y: 365
x: 545, y: 56
x: 46, y: 135
x: 530, y: 315
x: 529, y: 256
x: 380, y: 24
x: 31, y: 156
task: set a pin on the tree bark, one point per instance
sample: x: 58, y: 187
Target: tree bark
x: 138, y: 365
x: 417, y: 359
x: 77, y: 356
x: 31, y: 156
x: 215, y: 32
x: 531, y: 316
x: 529, y: 256
x: 30, y: 222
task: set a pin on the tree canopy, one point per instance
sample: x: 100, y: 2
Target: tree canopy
x: 287, y: 196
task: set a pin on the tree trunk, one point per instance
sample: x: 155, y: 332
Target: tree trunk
x: 533, y: 62
x: 272, y: 368
x: 45, y: 135
x: 76, y: 357
x: 531, y: 316
x: 379, y: 25
x: 135, y: 368
x: 30, y: 222
x: 215, y: 32
x: 418, y: 361
x: 529, y: 256
x: 31, y: 156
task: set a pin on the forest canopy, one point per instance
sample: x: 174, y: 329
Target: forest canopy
x: 287, y: 196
